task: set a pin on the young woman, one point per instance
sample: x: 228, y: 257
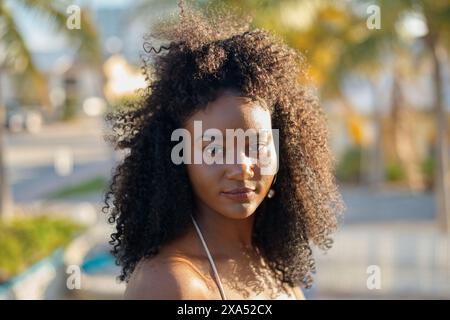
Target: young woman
x: 221, y: 230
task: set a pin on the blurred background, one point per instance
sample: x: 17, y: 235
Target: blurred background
x: 381, y: 69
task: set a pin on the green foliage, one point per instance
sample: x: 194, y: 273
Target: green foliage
x: 128, y: 101
x: 428, y: 166
x: 349, y: 166
x: 395, y: 172
x: 96, y: 184
x: 69, y: 111
x: 26, y: 240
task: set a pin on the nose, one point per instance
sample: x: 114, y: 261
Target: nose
x: 241, y: 170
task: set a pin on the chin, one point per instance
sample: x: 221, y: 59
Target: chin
x: 239, y: 211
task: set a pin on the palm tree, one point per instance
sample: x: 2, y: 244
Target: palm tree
x: 85, y: 39
x: 436, y: 16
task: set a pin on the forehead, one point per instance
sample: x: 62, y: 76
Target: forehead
x: 229, y: 111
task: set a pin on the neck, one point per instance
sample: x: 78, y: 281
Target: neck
x: 225, y: 237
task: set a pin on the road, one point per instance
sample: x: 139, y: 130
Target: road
x: 30, y: 157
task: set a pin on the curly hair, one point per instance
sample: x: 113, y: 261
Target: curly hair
x: 201, y: 54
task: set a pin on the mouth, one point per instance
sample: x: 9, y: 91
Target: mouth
x: 239, y: 194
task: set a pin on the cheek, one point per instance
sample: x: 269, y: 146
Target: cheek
x: 273, y: 162
x: 203, y: 179
x: 266, y: 182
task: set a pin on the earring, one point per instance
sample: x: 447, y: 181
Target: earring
x: 271, y: 192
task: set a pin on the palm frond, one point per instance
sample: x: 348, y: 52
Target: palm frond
x: 17, y: 51
x: 84, y: 39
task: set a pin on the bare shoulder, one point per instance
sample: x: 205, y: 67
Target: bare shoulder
x: 298, y: 293
x: 162, y: 278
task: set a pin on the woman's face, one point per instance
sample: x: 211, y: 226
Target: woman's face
x: 216, y: 185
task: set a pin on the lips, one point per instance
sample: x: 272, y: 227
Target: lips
x: 239, y: 190
x: 239, y: 194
